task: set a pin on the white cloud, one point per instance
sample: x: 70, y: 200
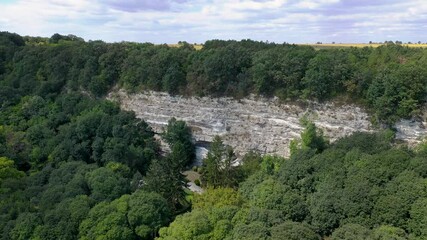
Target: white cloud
x: 199, y: 20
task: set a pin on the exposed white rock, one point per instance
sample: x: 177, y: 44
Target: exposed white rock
x: 201, y: 153
x: 260, y: 124
x: 411, y: 131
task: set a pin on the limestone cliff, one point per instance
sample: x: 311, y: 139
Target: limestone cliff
x: 260, y: 124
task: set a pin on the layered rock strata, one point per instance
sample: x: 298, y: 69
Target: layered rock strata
x: 263, y: 125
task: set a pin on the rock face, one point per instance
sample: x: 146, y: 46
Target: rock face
x: 263, y: 125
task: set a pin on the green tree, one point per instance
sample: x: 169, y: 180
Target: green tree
x: 217, y: 198
x: 253, y: 231
x: 188, y: 226
x: 63, y: 221
x: 273, y: 195
x: 293, y: 231
x: 178, y: 136
x: 107, y: 221
x: 167, y: 180
x: 218, y: 166
x: 25, y: 225
x: 147, y: 213
x: 351, y: 232
x: 104, y: 184
x: 8, y: 170
x: 136, y: 216
x: 212, y: 164
x: 418, y: 218
x: 326, y: 73
x: 385, y: 232
x: 312, y: 137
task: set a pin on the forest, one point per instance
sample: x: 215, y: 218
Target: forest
x: 73, y: 165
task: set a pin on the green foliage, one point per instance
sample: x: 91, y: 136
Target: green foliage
x: 390, y: 80
x: 74, y: 165
x: 347, y: 191
x: 193, y: 225
x: 218, y: 166
x: 216, y: 198
x: 24, y: 226
x: 271, y: 164
x: 418, y: 221
x: 312, y: 137
x: 167, y: 180
x: 63, y: 221
x: 250, y: 164
x: 326, y: 73
x: 104, y: 184
x: 388, y: 232
x: 76, y: 151
x: 178, y: 136
x: 273, y: 195
x: 107, y: 221
x: 253, y: 231
x: 147, y: 213
x: 293, y: 231
x: 128, y: 217
x: 7, y: 170
x: 351, y: 232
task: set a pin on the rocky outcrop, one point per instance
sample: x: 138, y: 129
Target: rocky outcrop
x: 263, y: 125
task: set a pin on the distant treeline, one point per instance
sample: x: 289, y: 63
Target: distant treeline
x: 390, y: 80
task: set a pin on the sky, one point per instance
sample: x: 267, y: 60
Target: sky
x: 195, y: 21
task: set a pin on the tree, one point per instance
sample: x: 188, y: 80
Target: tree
x: 212, y: 164
x: 218, y: 166
x: 217, y: 198
x: 136, y: 216
x: 293, y: 231
x: 163, y: 178
x: 25, y: 225
x: 385, y: 232
x: 326, y: 73
x: 273, y: 195
x: 252, y: 231
x: 312, y: 137
x: 107, y: 221
x: 351, y: 232
x: 178, y: 136
x: 63, y: 221
x: 104, y: 184
x: 418, y: 218
x: 188, y: 226
x: 147, y: 213
x: 7, y: 170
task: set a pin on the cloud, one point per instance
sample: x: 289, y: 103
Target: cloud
x: 199, y: 20
x: 143, y: 5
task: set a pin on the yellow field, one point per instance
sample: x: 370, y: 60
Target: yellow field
x: 359, y: 45
x: 196, y: 46
x: 330, y: 45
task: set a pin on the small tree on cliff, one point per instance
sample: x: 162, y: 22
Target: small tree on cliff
x: 311, y: 138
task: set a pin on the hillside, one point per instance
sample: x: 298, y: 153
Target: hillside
x: 76, y: 165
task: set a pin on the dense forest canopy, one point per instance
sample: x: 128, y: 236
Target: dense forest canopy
x: 75, y: 166
x: 390, y: 80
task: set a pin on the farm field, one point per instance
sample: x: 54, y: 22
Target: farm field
x: 330, y: 45
x: 196, y: 46
x: 359, y: 45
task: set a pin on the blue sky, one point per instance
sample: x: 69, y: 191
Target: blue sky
x: 195, y: 21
